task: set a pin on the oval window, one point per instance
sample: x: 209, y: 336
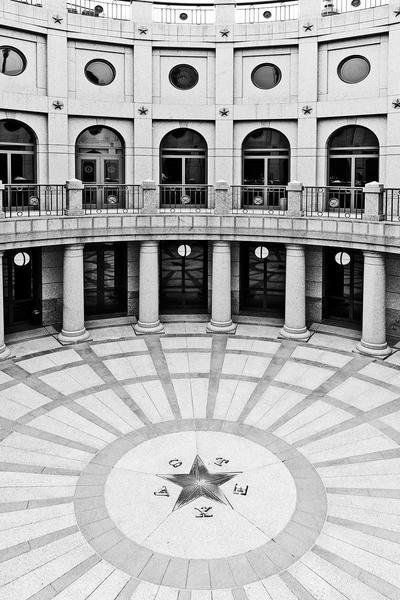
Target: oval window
x: 354, y: 69
x: 183, y: 77
x: 13, y: 62
x: 100, y: 72
x: 266, y: 76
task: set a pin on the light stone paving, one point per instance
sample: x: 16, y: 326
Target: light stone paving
x: 99, y: 440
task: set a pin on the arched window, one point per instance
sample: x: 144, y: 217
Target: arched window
x: 353, y: 161
x: 353, y: 156
x: 100, y: 164
x: 17, y: 152
x: 265, y: 156
x: 183, y: 168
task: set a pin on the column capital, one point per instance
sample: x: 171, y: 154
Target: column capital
x: 78, y: 248
x: 374, y: 256
x: 221, y: 245
x: 295, y: 248
x: 149, y: 245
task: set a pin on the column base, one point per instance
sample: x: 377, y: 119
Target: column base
x: 295, y: 334
x: 221, y: 327
x: 73, y: 337
x: 148, y: 328
x: 4, y: 352
x: 374, y: 350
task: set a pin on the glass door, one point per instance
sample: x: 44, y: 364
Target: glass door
x: 343, y: 284
x: 264, y: 171
x: 98, y: 174
x: 22, y: 287
x: 183, y: 277
x: 262, y: 279
x: 105, y: 278
x: 183, y: 178
x: 351, y: 172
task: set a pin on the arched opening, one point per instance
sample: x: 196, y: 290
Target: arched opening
x: 265, y: 157
x: 183, y: 169
x: 17, y: 153
x: 353, y: 161
x: 100, y: 153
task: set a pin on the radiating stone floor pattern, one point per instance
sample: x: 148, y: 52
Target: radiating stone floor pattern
x: 312, y: 431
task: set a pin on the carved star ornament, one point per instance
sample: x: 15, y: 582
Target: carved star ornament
x: 199, y: 483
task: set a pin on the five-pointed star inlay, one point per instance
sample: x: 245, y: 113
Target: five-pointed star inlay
x: 142, y: 30
x: 397, y: 12
x: 57, y: 19
x: 308, y: 27
x: 198, y: 483
x: 396, y: 103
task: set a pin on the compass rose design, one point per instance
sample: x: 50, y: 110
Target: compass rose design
x: 200, y: 483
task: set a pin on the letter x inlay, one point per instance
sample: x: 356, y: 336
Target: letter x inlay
x: 199, y: 483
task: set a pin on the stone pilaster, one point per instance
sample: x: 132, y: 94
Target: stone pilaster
x: 235, y: 284
x: 52, y: 285
x: 133, y: 278
x: 373, y: 339
x: 73, y: 329
x: 149, y: 320
x: 295, y: 294
x: 221, y: 316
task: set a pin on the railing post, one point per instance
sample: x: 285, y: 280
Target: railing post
x: 223, y: 198
x: 2, y: 194
x: 373, y: 201
x: 74, y: 189
x: 150, y: 197
x: 295, y: 199
x: 328, y: 8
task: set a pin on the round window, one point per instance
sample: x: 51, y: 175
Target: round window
x: 261, y: 252
x: 266, y: 76
x: 354, y: 69
x: 13, y: 62
x: 342, y: 258
x: 183, y: 77
x: 21, y: 259
x: 184, y: 250
x: 100, y: 72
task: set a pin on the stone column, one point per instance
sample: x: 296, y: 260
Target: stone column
x: 4, y: 351
x: 149, y: 321
x: 73, y: 328
x: 221, y: 318
x: 295, y: 294
x: 373, y: 340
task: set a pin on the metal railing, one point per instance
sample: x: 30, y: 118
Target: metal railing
x: 118, y: 198
x: 341, y: 6
x: 191, y: 15
x: 30, y: 2
x: 186, y: 197
x: 391, y: 204
x: 270, y: 198
x: 260, y: 13
x: 121, y: 11
x: 335, y: 202
x: 31, y: 200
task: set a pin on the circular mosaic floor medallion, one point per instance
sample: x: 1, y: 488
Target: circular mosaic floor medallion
x: 212, y: 495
